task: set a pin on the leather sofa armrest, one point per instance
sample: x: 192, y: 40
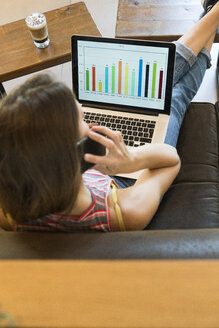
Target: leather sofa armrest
x: 157, y: 244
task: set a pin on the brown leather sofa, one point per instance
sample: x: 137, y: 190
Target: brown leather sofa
x: 185, y: 226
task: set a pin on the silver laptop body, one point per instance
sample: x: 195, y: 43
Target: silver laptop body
x: 125, y: 85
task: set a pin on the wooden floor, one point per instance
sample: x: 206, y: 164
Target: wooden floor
x: 110, y: 294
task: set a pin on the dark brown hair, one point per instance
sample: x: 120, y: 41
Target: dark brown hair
x: 39, y: 164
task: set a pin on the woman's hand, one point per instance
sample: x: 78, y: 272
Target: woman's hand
x: 118, y: 158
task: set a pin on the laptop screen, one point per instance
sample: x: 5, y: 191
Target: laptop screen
x: 127, y: 73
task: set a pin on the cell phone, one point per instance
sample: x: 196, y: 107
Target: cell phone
x: 88, y: 145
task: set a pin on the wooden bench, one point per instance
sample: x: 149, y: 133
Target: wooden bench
x: 165, y: 20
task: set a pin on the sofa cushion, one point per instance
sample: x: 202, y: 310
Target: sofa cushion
x: 192, y: 202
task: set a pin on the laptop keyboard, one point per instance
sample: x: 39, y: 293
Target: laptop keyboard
x: 136, y: 132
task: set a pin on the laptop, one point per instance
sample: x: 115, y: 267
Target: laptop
x: 126, y: 85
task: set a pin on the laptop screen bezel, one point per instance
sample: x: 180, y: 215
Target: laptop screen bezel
x: 142, y: 110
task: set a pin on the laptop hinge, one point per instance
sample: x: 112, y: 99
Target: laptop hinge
x: 119, y: 109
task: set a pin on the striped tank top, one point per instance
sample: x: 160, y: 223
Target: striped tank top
x: 95, y: 218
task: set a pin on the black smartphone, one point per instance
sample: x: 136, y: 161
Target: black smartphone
x: 88, y: 145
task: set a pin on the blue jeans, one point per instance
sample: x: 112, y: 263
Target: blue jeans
x: 189, y: 73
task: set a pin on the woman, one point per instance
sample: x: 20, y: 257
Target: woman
x: 41, y: 187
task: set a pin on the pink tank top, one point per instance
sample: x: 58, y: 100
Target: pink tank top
x: 95, y: 218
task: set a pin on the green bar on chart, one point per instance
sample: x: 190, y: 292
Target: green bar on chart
x: 154, y: 80
x: 100, y: 86
x: 133, y: 84
x: 113, y: 78
x: 126, y: 78
x: 87, y: 79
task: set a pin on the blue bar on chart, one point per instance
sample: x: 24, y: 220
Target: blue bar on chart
x: 106, y: 79
x: 140, y: 77
x: 146, y: 80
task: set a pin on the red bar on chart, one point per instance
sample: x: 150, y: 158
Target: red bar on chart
x: 160, y: 85
x: 120, y: 78
x: 93, y: 78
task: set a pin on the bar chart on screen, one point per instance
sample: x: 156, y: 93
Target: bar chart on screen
x: 124, y: 72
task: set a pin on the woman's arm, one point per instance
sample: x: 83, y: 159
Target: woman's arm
x: 140, y: 202
x: 160, y: 164
x: 119, y: 159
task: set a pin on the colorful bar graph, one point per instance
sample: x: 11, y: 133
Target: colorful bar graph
x: 113, y: 78
x: 100, y: 86
x: 146, y: 80
x: 129, y: 79
x: 154, y: 80
x: 140, y: 77
x: 87, y: 79
x: 160, y: 85
x: 133, y: 84
x: 126, y: 79
x: 120, y: 78
x: 93, y: 78
x: 106, y: 79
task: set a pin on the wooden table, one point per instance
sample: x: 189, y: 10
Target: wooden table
x: 110, y: 294
x: 19, y: 56
x: 157, y: 19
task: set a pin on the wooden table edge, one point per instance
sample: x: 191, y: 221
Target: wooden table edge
x: 35, y: 68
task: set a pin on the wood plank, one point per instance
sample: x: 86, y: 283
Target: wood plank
x: 19, y: 56
x: 110, y: 293
x: 157, y: 19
